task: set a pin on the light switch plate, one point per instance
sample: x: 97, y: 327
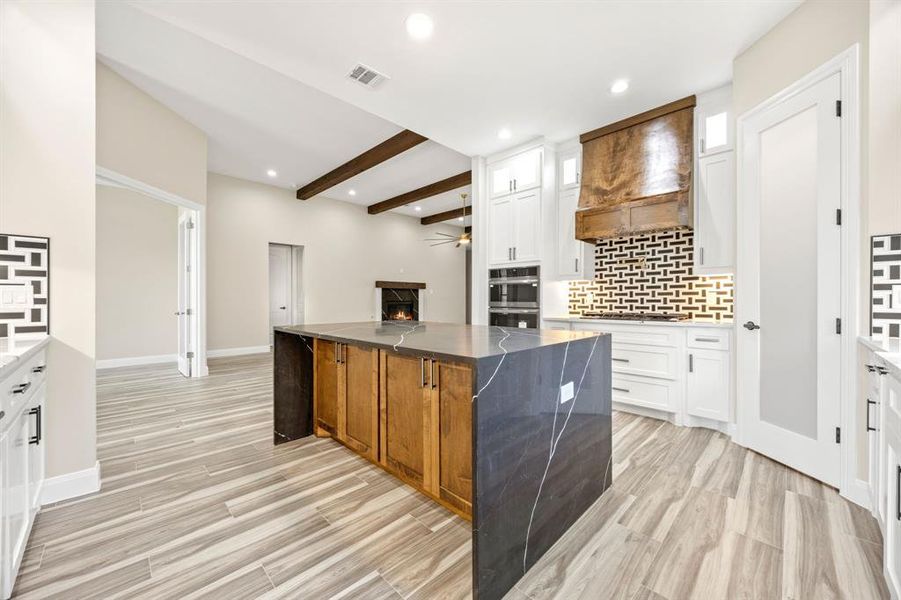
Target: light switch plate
x: 566, y: 392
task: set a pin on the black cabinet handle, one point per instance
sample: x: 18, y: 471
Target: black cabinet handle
x: 898, y: 492
x: 39, y: 369
x: 881, y: 370
x: 869, y: 402
x: 691, y: 363
x: 622, y: 360
x: 36, y: 438
x: 624, y: 390
x: 21, y: 388
x: 871, y: 368
x: 751, y: 326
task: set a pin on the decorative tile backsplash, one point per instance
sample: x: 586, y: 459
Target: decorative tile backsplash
x: 24, y: 285
x: 652, y: 272
x: 885, y: 306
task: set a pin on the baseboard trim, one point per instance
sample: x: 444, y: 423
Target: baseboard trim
x: 237, y: 351
x: 858, y: 493
x: 134, y: 361
x: 71, y: 485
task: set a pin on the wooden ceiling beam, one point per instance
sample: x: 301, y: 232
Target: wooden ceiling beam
x: 446, y: 215
x: 427, y: 191
x: 390, y: 148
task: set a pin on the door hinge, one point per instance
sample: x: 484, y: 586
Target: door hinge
x: 838, y: 325
x: 189, y: 355
x: 838, y: 216
x: 190, y: 225
x: 838, y: 108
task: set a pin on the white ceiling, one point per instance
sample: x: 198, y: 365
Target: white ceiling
x: 536, y: 67
x: 256, y: 118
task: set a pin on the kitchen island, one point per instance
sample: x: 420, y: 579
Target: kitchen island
x: 510, y: 428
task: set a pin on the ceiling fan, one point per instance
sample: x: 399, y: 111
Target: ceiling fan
x: 464, y: 239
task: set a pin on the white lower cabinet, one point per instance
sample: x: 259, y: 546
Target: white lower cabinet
x: 22, y: 397
x: 682, y: 371
x: 891, y: 460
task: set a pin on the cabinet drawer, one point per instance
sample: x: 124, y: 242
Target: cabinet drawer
x: 710, y: 339
x: 648, y: 361
x: 16, y: 389
x: 658, y: 395
x: 646, y: 335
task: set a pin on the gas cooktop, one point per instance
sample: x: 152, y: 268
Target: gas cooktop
x: 635, y: 316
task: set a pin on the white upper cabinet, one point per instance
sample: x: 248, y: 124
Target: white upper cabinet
x: 715, y: 122
x: 515, y: 174
x: 573, y: 256
x: 714, y: 183
x: 514, y: 228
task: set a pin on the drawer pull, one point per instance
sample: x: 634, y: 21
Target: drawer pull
x: 871, y: 368
x: 618, y: 389
x: 869, y: 402
x: 21, y: 388
x: 898, y: 492
x: 39, y: 369
x: 707, y: 339
x: 36, y: 438
x: 691, y: 363
x: 622, y: 360
x: 881, y: 370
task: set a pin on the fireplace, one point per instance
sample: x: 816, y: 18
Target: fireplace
x: 400, y: 300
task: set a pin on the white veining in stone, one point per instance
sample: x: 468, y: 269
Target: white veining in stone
x: 555, y: 443
x: 500, y: 346
x: 404, y: 334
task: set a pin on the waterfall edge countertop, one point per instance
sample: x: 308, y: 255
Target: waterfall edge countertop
x: 13, y: 354
x: 468, y: 343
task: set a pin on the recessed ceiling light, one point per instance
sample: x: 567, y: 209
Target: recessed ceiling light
x: 619, y: 86
x: 272, y: 173
x: 504, y: 134
x: 352, y: 192
x: 417, y: 208
x: 419, y: 26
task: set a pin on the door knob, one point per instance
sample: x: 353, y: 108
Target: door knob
x: 178, y: 313
x: 751, y: 326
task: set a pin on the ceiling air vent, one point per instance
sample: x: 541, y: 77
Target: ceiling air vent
x: 367, y: 76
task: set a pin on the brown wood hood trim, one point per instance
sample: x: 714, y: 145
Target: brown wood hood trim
x: 400, y: 285
x: 657, y: 213
x: 687, y: 102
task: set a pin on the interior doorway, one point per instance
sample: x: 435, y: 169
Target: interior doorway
x: 285, y: 286
x: 795, y: 315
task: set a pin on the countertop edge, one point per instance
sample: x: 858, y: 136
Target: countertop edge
x: 7, y: 369
x: 332, y: 337
x: 892, y: 359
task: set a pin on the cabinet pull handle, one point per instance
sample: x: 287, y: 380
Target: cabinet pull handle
x: 702, y: 255
x: 21, y: 388
x: 620, y: 389
x: 36, y: 438
x: 39, y: 369
x: 577, y: 265
x: 898, y: 492
x: 509, y: 185
x: 514, y: 252
x: 422, y: 372
x: 432, y: 376
x: 871, y: 368
x: 691, y: 363
x: 881, y: 370
x: 514, y: 184
x: 869, y: 402
x: 707, y: 339
x: 622, y: 360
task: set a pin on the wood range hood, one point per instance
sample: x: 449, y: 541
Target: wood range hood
x: 637, y: 174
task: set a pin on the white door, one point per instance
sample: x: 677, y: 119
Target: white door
x: 186, y: 292
x: 280, y: 284
x: 526, y: 225
x: 500, y: 230
x: 789, y: 358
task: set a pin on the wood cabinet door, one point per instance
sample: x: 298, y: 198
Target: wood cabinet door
x: 326, y: 388
x: 405, y: 419
x: 452, y: 394
x: 361, y: 430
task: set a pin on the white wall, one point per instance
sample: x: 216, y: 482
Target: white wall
x: 345, y: 251
x: 137, y: 275
x: 139, y: 137
x: 47, y: 145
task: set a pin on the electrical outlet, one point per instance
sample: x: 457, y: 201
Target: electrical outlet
x: 566, y: 392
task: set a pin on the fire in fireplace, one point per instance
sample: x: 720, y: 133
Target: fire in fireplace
x: 400, y: 301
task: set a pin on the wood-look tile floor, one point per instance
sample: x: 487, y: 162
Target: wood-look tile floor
x: 197, y: 503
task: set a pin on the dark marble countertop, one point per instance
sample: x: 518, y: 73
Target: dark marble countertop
x: 467, y: 343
